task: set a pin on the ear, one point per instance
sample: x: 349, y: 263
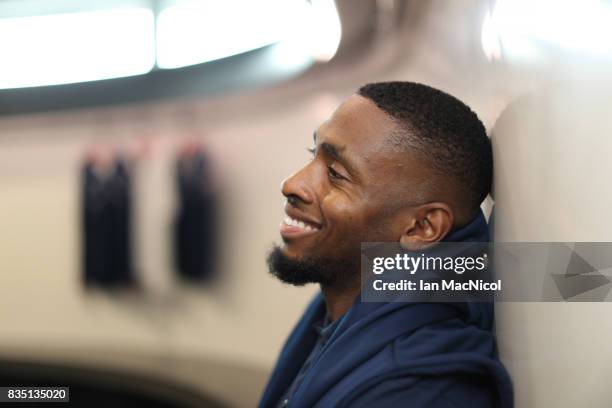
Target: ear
x: 429, y: 224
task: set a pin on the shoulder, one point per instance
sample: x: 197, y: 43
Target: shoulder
x: 442, y: 392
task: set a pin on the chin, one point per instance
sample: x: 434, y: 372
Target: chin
x: 292, y: 253
x: 289, y: 269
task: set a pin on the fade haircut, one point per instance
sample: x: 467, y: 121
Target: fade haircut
x: 447, y: 133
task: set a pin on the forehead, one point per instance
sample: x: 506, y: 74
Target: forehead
x: 360, y: 130
x: 357, y: 124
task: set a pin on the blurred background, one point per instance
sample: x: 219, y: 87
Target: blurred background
x: 142, y: 146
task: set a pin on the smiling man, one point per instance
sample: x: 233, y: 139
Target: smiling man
x: 396, y: 162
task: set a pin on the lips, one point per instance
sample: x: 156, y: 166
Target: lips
x: 293, y: 227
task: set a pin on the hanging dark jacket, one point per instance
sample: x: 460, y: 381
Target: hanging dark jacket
x: 195, y: 232
x: 106, y: 226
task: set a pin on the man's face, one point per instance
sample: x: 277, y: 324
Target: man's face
x: 348, y: 193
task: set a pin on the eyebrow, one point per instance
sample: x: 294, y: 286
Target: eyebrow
x: 335, y: 152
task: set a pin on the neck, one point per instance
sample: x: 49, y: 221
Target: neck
x: 339, y: 301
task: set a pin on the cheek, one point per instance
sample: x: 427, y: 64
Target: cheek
x: 346, y: 216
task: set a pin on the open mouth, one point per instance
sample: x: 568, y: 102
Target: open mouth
x: 294, y: 228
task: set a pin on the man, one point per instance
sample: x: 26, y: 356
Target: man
x: 396, y: 162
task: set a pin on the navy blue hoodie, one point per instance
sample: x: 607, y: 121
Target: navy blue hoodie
x: 397, y: 354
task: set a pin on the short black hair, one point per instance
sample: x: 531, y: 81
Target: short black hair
x: 448, y: 133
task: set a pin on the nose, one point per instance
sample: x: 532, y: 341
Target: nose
x: 297, y: 188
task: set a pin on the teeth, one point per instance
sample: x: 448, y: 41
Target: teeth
x: 299, y: 224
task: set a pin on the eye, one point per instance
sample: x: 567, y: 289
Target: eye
x: 333, y: 173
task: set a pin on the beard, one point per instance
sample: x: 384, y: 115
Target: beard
x: 333, y: 273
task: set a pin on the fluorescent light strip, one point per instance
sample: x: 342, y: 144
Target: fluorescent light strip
x: 84, y: 46
x: 523, y: 27
x: 76, y: 47
x: 193, y: 32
